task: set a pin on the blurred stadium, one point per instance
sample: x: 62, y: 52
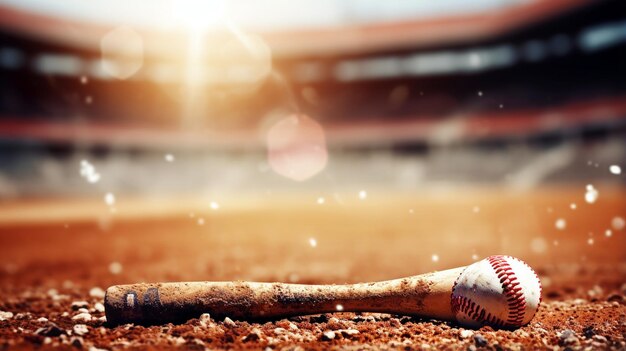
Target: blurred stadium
x: 515, y: 93
x: 147, y: 103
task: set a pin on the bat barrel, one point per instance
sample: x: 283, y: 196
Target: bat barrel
x: 425, y: 295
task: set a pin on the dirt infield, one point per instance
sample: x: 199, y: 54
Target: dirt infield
x: 53, y: 272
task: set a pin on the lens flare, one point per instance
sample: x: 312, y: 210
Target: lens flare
x: 122, y: 52
x: 297, y: 147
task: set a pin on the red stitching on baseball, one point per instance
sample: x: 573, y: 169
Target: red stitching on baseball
x: 472, y: 309
x: 475, y: 311
x: 511, y: 289
x: 538, y: 282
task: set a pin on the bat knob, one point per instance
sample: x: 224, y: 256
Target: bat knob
x: 124, y: 304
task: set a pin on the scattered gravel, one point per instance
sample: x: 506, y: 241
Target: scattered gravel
x: 52, y: 330
x: 80, y: 329
x: 254, y: 335
x: 77, y: 342
x: 82, y: 317
x: 328, y: 335
x: 76, y: 305
x: 570, y: 323
x: 464, y: 334
x: 205, y: 320
x: 5, y: 315
x: 98, y: 307
x: 97, y: 292
x: 568, y: 338
x: 480, y: 340
x: 23, y: 315
x: 569, y: 318
x: 229, y: 322
x: 348, y: 332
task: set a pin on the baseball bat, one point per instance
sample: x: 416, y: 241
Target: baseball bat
x: 501, y: 291
x: 426, y: 295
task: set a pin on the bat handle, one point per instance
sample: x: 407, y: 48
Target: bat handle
x: 425, y: 295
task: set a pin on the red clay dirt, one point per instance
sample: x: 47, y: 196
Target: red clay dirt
x: 52, y: 274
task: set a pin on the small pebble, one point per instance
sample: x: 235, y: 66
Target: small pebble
x: 595, y: 293
x: 98, y: 307
x: 180, y: 341
x: 80, y: 329
x: 480, y: 340
x: 60, y: 297
x: 79, y: 304
x: 42, y: 319
x: 5, y: 315
x: 229, y: 322
x: 568, y: 337
x: 588, y: 332
x: 464, y: 334
x: 205, y: 319
x: 53, y: 330
x: 254, y: 335
x: 293, y: 326
x: 600, y: 338
x: 97, y: 292
x: 364, y: 319
x: 616, y: 298
x: 328, y: 335
x: 522, y: 333
x: 77, y: 342
x: 349, y: 332
x: 82, y: 317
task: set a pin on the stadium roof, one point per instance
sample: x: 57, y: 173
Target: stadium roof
x: 308, y: 28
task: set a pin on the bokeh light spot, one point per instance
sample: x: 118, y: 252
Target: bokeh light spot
x: 362, y: 194
x: 297, y: 147
x: 122, y: 52
x: 115, y: 268
x: 618, y: 223
x: 591, y: 195
x: 538, y: 245
x: 109, y: 199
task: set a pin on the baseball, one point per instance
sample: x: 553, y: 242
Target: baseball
x: 500, y: 291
